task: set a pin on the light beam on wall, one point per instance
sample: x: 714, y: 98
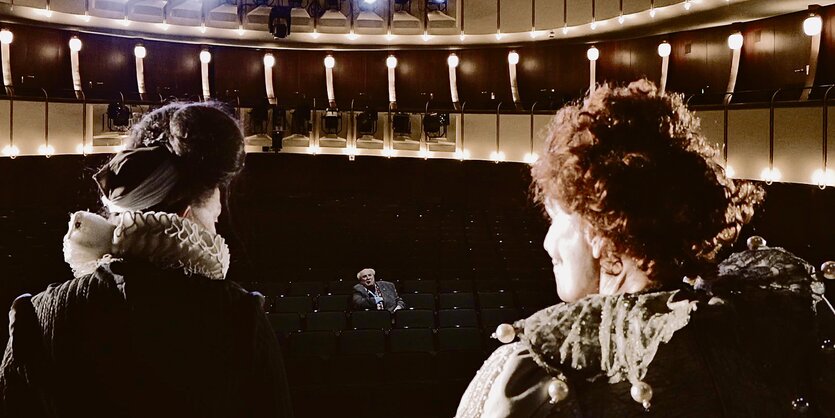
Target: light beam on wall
x: 664, y: 50
x: 139, y: 52
x: 6, y: 38
x: 205, y: 59
x: 75, y: 47
x: 735, y: 44
x: 330, y: 62
x: 452, y: 63
x: 269, y: 63
x: 391, y: 64
x: 812, y: 27
x: 512, y: 60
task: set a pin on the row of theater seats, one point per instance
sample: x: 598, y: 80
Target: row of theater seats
x: 286, y: 324
x: 526, y: 300
x: 316, y: 286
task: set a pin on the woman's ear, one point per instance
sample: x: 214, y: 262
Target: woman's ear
x: 186, y: 212
x: 595, y: 242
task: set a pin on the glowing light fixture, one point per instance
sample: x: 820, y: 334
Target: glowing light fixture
x: 45, y: 11
x: 330, y: 62
x: 6, y: 36
x: 424, y: 154
x: 205, y: 59
x: 313, y: 149
x: 269, y: 60
x: 85, y: 17
x: 770, y: 175
x: 531, y: 157
x: 735, y: 41
x: 497, y: 156
x: 452, y: 63
x: 164, y: 26
x: 140, y: 53
x: 205, y: 56
x: 391, y: 64
x: 499, y: 35
x: 565, y: 30
x: 125, y: 22
x: 314, y: 34
x: 729, y: 171
x: 11, y: 151
x: 621, y: 19
x: 46, y: 150
x: 202, y: 28
x: 513, y: 58
x: 389, y: 36
x: 75, y: 44
x: 688, y: 4
x: 664, y: 49
x: 452, y: 60
x: 352, y: 36
x: 84, y: 149
x: 823, y: 179
x: 426, y: 36
x: 813, y: 25
x: 391, y: 61
x: 593, y: 54
x: 241, y: 30
x: 534, y: 34
x: 462, y: 36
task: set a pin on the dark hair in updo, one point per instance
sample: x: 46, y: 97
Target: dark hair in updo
x: 207, y: 142
x: 632, y: 163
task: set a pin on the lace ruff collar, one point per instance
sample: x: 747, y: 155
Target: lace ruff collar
x: 163, y: 239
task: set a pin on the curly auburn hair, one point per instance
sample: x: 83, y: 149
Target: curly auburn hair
x: 632, y: 163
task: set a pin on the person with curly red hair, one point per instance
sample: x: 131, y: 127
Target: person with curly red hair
x: 640, y: 209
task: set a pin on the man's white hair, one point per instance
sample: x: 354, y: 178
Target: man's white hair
x: 364, y: 270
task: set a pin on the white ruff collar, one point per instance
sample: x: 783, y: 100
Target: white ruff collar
x: 163, y: 239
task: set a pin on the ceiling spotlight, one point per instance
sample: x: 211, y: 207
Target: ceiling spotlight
x: 593, y: 54
x: 164, y: 25
x: 452, y: 60
x: 203, y: 28
x: 462, y: 36
x: 240, y: 30
x: 687, y: 4
x: 75, y: 44
x: 813, y: 24
x: 565, y: 29
x: 735, y: 40
x: 352, y: 36
x: 269, y: 60
x: 621, y: 19
x: 367, y: 122
x: 389, y: 36
x: 426, y: 36
x: 664, y: 49
x: 330, y: 62
x: 770, y: 175
x: 435, y: 125
x: 402, y: 124
x: 332, y: 122
x: 531, y: 157
x: 499, y: 35
x: 85, y: 17
x: 652, y: 12
x: 314, y: 34
x: 125, y: 21
x: 139, y: 51
x: 534, y: 34
x: 513, y: 58
x: 205, y: 56
x: 593, y: 24
x: 391, y: 61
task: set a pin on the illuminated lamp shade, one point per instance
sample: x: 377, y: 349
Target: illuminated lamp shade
x: 593, y: 54
x: 531, y: 157
x: 812, y: 25
x: 771, y: 175
x: 391, y: 61
x: 735, y: 41
x: 452, y: 61
x: 822, y: 179
x: 46, y: 150
x: 11, y: 151
x: 75, y: 44
x: 205, y: 56
x: 497, y: 156
x: 664, y: 49
x: 269, y: 60
x: 139, y: 51
x: 513, y: 58
x: 330, y: 62
x: 6, y: 36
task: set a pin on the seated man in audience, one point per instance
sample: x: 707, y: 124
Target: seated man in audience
x: 375, y: 295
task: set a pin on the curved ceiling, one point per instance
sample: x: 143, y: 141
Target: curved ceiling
x: 463, y: 22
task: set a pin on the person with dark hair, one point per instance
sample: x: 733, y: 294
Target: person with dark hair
x: 148, y: 326
x: 639, y: 211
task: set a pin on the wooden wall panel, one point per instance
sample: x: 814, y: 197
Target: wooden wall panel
x: 239, y: 73
x: 700, y: 61
x: 40, y: 58
x: 107, y: 66
x: 420, y: 72
x: 480, y: 73
x: 172, y: 69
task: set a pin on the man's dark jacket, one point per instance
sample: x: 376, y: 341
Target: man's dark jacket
x: 362, y: 298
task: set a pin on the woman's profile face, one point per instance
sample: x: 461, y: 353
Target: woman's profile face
x: 576, y: 270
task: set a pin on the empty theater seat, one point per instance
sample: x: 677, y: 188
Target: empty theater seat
x: 285, y: 323
x: 411, y: 340
x: 298, y: 304
x: 456, y: 301
x: 419, y: 301
x: 495, y: 300
x: 341, y: 287
x: 414, y: 318
x: 457, y: 318
x: 332, y: 303
x: 455, y: 286
x: 311, y: 288
x: 326, y: 321
x: 493, y: 317
x: 313, y: 343
x: 451, y: 339
x: 371, y: 320
x: 419, y: 286
x: 362, y: 341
